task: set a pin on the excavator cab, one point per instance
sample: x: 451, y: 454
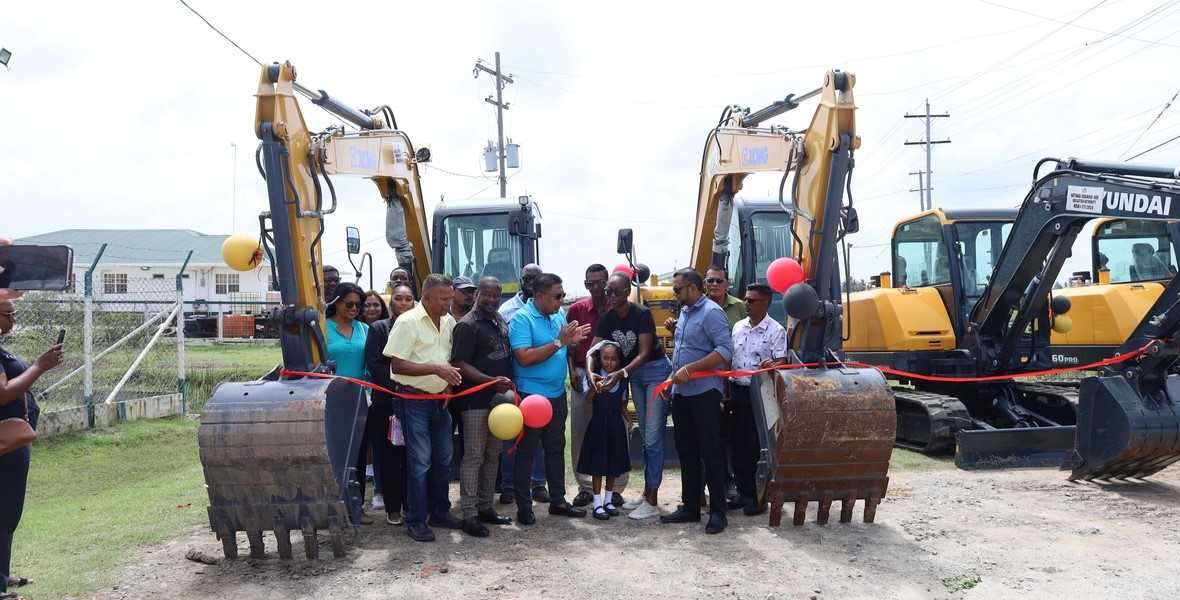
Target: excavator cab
x: 481, y: 238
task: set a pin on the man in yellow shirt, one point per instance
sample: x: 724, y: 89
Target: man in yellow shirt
x: 419, y: 350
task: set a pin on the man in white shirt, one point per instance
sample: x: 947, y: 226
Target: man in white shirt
x: 759, y: 342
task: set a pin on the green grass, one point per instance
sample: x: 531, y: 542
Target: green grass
x: 915, y: 461
x: 208, y: 366
x: 95, y: 497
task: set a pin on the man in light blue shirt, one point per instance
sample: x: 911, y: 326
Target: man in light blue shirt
x: 703, y: 342
x: 508, y: 309
x: 539, y: 336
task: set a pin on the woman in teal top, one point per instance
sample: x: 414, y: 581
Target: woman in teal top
x: 346, y: 333
x: 346, y: 346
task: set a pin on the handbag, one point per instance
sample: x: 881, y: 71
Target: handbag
x: 15, y: 432
x: 396, y: 436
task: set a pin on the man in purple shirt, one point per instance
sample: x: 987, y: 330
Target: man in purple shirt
x: 703, y: 342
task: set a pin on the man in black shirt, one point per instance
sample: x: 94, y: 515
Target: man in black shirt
x: 481, y: 353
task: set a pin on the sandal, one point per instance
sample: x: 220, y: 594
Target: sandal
x: 9, y: 596
x: 20, y: 581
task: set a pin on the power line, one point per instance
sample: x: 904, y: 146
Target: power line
x: 221, y: 34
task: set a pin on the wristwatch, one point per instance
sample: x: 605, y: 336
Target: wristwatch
x: 625, y: 375
x: 558, y: 344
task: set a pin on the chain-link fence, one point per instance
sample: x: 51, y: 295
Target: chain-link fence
x: 123, y: 358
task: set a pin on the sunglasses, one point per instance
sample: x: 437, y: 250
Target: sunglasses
x: 676, y: 290
x: 9, y: 314
x: 594, y: 284
x: 350, y: 304
x: 557, y: 296
x: 714, y: 280
x: 618, y: 291
x: 527, y: 279
x: 331, y: 280
x: 752, y: 299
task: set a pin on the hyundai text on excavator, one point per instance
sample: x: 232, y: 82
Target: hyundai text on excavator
x: 999, y: 326
x: 278, y: 453
x: 826, y: 430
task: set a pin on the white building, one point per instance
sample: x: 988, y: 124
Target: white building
x: 140, y: 263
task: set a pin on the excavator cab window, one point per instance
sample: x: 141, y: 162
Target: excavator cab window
x: 480, y: 245
x: 771, y: 239
x: 921, y: 256
x: 1135, y: 250
x: 978, y: 247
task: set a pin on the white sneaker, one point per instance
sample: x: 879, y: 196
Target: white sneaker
x: 633, y: 504
x: 645, y: 511
x: 378, y: 502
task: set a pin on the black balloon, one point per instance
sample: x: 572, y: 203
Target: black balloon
x: 800, y: 301
x: 502, y: 398
x: 642, y: 272
x: 1060, y: 305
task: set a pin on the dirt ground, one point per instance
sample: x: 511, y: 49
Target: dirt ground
x: 940, y: 533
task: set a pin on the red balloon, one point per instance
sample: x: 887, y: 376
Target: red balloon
x: 625, y: 269
x: 537, y: 410
x: 783, y: 273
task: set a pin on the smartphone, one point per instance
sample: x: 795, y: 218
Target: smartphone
x: 31, y: 268
x: 61, y: 336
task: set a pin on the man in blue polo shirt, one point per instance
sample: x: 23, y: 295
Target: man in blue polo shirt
x: 539, y: 336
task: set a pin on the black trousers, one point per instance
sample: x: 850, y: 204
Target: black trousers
x: 744, y: 444
x: 698, y: 440
x: 552, y: 438
x: 394, y: 473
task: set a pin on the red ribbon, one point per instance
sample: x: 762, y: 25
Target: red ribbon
x: 1090, y: 367
x: 369, y: 384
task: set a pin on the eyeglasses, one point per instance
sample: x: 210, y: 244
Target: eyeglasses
x: 350, y: 304
x: 527, y: 279
x: 676, y: 290
x: 331, y: 280
x: 557, y: 296
x: 594, y: 284
x: 714, y: 280
x: 618, y: 291
x: 753, y: 299
x: 10, y: 314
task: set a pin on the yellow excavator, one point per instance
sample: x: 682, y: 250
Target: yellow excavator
x: 826, y: 430
x: 278, y: 453
x: 965, y: 335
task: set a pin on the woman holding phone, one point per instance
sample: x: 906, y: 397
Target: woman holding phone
x: 16, y: 400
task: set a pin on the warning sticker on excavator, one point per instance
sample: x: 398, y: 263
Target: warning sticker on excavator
x: 1084, y: 198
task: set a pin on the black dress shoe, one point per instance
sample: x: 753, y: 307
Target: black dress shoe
x: 525, y: 517
x: 540, y: 494
x: 445, y: 520
x: 600, y: 513
x: 491, y: 517
x: 753, y: 508
x: 616, y: 499
x: 472, y: 527
x: 738, y: 502
x: 565, y: 510
x: 717, y: 523
x: 681, y: 515
x: 420, y: 532
x: 507, y: 497
x: 583, y: 498
x: 611, y: 510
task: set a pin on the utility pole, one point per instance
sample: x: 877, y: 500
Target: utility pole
x: 927, y: 143
x: 920, y: 190
x: 500, y: 108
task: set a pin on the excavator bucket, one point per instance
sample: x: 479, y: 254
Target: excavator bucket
x: 1123, y: 434
x: 279, y: 456
x: 1012, y: 447
x: 826, y: 434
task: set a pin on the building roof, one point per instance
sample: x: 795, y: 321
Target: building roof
x: 136, y: 246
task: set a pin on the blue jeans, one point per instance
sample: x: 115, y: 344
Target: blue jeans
x: 643, y: 384
x: 508, y: 466
x: 428, y: 457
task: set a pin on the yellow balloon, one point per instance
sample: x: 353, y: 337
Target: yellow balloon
x: 505, y: 421
x: 241, y: 252
x: 1062, y: 324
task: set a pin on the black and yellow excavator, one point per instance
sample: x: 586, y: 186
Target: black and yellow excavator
x: 966, y: 335
x: 278, y: 453
x: 826, y: 430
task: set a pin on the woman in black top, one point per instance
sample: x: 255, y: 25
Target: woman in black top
x: 15, y: 383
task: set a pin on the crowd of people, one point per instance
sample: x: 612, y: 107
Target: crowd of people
x: 455, y: 339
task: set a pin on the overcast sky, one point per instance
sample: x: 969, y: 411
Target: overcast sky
x: 146, y: 121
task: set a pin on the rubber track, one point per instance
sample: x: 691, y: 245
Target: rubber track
x: 945, y: 414
x: 1068, y: 391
